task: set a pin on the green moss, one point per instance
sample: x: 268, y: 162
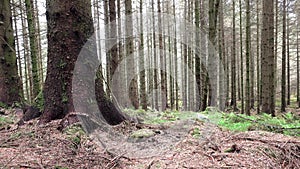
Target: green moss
x: 75, y: 134
x: 196, y: 132
x: 287, y: 124
x: 6, y: 120
x: 143, y: 133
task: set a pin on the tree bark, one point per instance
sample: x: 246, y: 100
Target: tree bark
x: 9, y: 79
x: 248, y: 50
x: 233, y: 63
x: 283, y: 68
x: 143, y: 92
x: 69, y: 27
x: 33, y: 48
x: 241, y: 60
x: 258, y: 79
x: 267, y: 55
x: 130, y: 62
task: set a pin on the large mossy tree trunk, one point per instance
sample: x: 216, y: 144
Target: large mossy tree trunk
x: 69, y: 28
x: 9, y: 79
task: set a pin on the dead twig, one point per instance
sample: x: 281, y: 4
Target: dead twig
x: 150, y: 164
x: 114, y: 161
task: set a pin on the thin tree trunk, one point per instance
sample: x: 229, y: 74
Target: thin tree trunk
x: 248, y: 50
x: 213, y: 17
x: 233, y: 63
x: 162, y: 59
x: 276, y: 44
x: 298, y: 71
x: 258, y: 81
x: 122, y: 87
x: 18, y: 52
x: 176, y: 61
x: 27, y: 69
x: 142, y: 62
x: 242, y: 59
x: 283, y: 68
x: 222, y: 84
x: 113, y: 59
x: 288, y: 60
x: 155, y: 80
x: 39, y: 43
x: 107, y: 37
x: 204, y: 73
x: 130, y: 62
x: 197, y: 54
x: 33, y: 48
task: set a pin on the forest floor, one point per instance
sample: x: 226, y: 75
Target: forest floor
x: 176, y: 145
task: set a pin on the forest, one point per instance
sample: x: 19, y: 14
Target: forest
x: 149, y: 84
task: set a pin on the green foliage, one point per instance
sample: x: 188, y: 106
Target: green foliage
x: 3, y: 105
x: 6, y: 120
x: 196, y: 132
x: 75, y: 133
x: 287, y: 124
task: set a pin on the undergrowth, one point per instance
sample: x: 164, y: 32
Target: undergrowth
x: 6, y: 120
x: 287, y: 124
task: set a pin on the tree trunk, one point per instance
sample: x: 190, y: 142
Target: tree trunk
x: 283, y: 68
x: 288, y: 60
x: 197, y: 54
x: 258, y: 79
x: 267, y: 55
x: 130, y: 63
x: 33, y: 48
x: 113, y: 41
x: 27, y: 70
x: 163, y: 100
x: 298, y: 66
x: 142, y: 70
x: 233, y: 63
x: 175, y: 61
x: 155, y: 73
x: 242, y: 59
x: 9, y: 79
x: 20, y: 70
x: 248, y: 50
x: 69, y: 27
x: 222, y: 78
x: 204, y: 73
x: 39, y: 43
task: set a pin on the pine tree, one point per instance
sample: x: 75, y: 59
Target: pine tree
x: 9, y: 79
